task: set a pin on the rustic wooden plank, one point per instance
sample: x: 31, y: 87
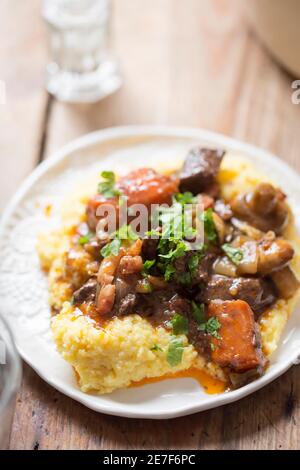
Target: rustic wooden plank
x: 21, y: 69
x: 184, y: 63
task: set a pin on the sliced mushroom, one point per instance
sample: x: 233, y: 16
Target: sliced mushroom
x: 264, y: 208
x: 224, y: 267
x: 286, y: 282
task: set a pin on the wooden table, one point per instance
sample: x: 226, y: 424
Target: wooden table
x: 192, y: 63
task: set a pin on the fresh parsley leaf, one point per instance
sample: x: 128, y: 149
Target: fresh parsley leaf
x: 155, y: 347
x: 154, y: 233
x: 198, y: 312
x: 111, y: 248
x: 107, y: 187
x: 85, y: 239
x: 193, y: 262
x: 212, y: 327
x: 177, y: 252
x: 212, y: 347
x: 179, y: 324
x: 169, y: 271
x: 147, y: 266
x: 234, y: 254
x: 175, y: 351
x: 209, y: 225
x: 185, y: 198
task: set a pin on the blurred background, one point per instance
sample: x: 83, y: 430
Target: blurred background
x: 193, y: 63
x: 224, y: 65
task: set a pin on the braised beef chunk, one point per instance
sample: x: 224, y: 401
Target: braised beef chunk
x: 200, y: 169
x: 127, y: 304
x: 149, y: 248
x: 258, y: 293
x: 264, y: 208
x: 86, y: 293
x: 238, y: 343
x: 160, y: 308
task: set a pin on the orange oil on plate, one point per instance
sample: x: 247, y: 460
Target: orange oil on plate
x: 210, y: 384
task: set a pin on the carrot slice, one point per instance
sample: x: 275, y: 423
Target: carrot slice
x: 238, y: 343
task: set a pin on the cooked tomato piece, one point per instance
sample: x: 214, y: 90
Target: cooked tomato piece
x: 92, y: 206
x: 238, y: 343
x: 146, y: 186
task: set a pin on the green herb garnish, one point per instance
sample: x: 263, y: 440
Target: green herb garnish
x: 107, y: 187
x: 209, y: 225
x: 179, y: 249
x: 234, y: 254
x: 111, y: 248
x: 126, y: 233
x: 85, y: 238
x: 198, y: 312
x: 175, y: 351
x: 212, y: 327
x: 184, y: 278
x: 185, y: 198
x: 147, y: 266
x: 179, y: 324
x: 169, y: 271
x: 155, y: 347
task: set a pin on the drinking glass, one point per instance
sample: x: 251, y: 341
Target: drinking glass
x: 82, y: 68
x: 10, y: 378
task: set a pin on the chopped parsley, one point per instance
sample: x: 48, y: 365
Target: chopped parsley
x: 175, y: 351
x: 155, y: 347
x: 85, y: 238
x: 107, y: 187
x: 211, y: 327
x: 234, y: 254
x: 111, y: 248
x: 147, y: 266
x: 124, y: 233
x: 185, y: 198
x: 209, y: 225
x: 198, y: 312
x: 179, y: 324
x: 179, y: 249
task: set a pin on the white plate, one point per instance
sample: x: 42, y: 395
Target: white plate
x: 24, y: 289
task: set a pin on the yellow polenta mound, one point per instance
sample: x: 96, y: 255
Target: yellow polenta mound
x: 111, y: 358
x: 122, y: 352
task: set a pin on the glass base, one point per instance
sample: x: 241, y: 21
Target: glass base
x: 83, y: 88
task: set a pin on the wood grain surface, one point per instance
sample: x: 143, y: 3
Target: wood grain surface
x: 193, y: 63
